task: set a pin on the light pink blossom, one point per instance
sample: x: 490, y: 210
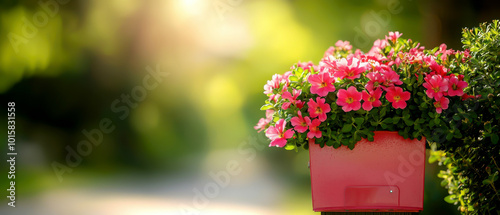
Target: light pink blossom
x: 349, y: 99
x: 372, y: 99
x: 397, y: 97
x: 318, y: 109
x: 299, y: 123
x: 349, y: 68
x: 278, y: 135
x: 441, y: 104
x: 314, y: 129
x: 321, y: 84
x: 436, y: 86
x: 456, y: 87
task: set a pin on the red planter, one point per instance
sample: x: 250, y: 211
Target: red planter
x: 384, y: 175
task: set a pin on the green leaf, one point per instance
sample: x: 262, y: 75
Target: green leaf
x: 449, y: 136
x: 395, y: 119
x: 408, y: 122
x: 347, y: 128
x: 266, y: 106
x: 370, y: 136
x: 420, y: 121
x: 351, y: 145
x: 330, y: 142
x: 336, y: 144
x: 451, y: 199
x: 382, y: 112
x: 359, y: 121
x: 444, y: 183
x: 320, y: 142
x: 293, y: 78
x: 387, y: 120
x: 431, y: 114
x: 487, y: 126
x: 487, y: 181
x: 345, y: 142
x: 290, y: 147
x: 494, y: 138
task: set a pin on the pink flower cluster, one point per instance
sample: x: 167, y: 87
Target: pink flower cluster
x: 353, y: 81
x: 438, y: 87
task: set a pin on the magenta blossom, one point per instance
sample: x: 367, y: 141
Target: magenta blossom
x: 343, y: 45
x: 393, y: 36
x: 441, y: 104
x: 350, y: 68
x: 263, y: 122
x: 292, y: 99
x: 306, y: 65
x: 438, y: 69
x: 436, y: 86
x: 278, y: 81
x: 300, y: 123
x: 314, y: 129
x: 349, y: 99
x: 397, y: 97
x: 390, y: 77
x: 378, y: 45
x: 456, y: 87
x: 376, y: 80
x: 318, y: 108
x: 278, y: 135
x: 322, y: 83
x: 261, y: 125
x: 372, y: 99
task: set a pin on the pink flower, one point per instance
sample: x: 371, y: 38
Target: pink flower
x: 378, y: 45
x: 397, y: 97
x: 322, y: 83
x: 277, y: 82
x: 343, y: 45
x: 263, y: 122
x: 306, y: 65
x: 329, y: 52
x: 272, y: 84
x: 350, y: 68
x: 390, y: 77
x: 456, y: 87
x: 349, y: 99
x: 376, y: 80
x: 371, y: 99
x: 436, y: 86
x: 444, y: 52
x: 261, y: 125
x: 278, y: 135
x: 393, y: 36
x: 465, y: 96
x: 318, y: 108
x: 300, y: 123
x: 441, y: 104
x: 269, y: 114
x: 313, y: 129
x: 440, y: 70
x: 292, y: 99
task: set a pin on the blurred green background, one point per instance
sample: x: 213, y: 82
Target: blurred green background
x: 70, y: 64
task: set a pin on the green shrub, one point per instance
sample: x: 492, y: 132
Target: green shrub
x: 472, y: 161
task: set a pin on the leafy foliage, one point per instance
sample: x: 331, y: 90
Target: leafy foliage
x: 473, y: 159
